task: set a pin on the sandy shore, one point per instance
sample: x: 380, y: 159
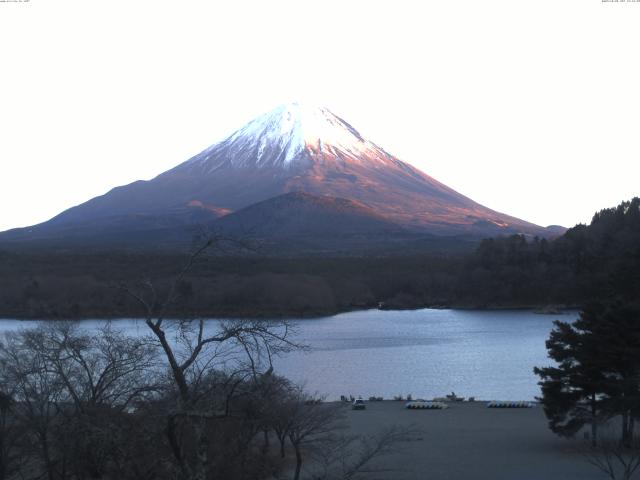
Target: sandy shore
x: 470, y: 441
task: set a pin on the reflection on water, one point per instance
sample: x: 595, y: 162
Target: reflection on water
x: 486, y: 354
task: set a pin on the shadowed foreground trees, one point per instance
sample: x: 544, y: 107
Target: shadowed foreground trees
x: 68, y: 389
x: 10, y: 438
x: 247, y: 347
x: 613, y: 458
x: 597, y: 376
x: 78, y: 403
x: 598, y: 373
x: 570, y: 391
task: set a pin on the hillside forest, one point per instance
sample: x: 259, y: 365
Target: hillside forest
x: 504, y: 272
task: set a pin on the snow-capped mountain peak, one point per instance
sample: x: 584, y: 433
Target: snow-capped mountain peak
x: 313, y: 163
x: 287, y: 135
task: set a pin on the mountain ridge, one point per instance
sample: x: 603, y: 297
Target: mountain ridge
x: 293, y: 148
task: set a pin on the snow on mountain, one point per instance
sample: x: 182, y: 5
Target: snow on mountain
x: 293, y: 148
x: 288, y: 134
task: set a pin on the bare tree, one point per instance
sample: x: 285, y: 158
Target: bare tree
x: 280, y: 418
x: 613, y: 457
x: 351, y: 457
x: 38, y: 392
x: 310, y: 422
x: 193, y: 347
x: 103, y: 367
x: 71, y: 390
x: 317, y: 428
x: 11, y: 457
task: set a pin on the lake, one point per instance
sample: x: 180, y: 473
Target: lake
x: 485, y: 354
x: 427, y: 353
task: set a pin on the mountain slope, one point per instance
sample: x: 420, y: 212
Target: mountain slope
x: 293, y: 148
x: 297, y: 213
x: 299, y: 223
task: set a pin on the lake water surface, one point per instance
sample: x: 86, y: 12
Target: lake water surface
x: 486, y: 354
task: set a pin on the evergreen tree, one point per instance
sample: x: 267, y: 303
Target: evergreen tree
x: 571, y: 391
x: 598, y: 371
x: 616, y: 327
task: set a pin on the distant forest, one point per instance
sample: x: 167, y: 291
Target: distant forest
x: 504, y: 272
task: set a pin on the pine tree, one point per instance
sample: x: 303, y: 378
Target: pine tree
x: 616, y: 327
x: 598, y: 371
x: 571, y: 392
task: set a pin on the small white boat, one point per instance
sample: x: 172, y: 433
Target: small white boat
x: 510, y: 404
x: 424, y: 405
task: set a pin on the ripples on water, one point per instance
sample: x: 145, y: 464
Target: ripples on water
x: 486, y: 354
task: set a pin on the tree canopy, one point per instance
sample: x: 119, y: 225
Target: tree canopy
x: 597, y: 376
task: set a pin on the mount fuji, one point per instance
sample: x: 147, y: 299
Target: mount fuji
x: 295, y: 172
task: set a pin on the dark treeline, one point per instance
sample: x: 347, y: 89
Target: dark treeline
x: 503, y: 272
x: 591, y: 261
x: 594, y: 381
x: 85, y: 286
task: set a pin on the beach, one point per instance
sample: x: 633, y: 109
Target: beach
x: 470, y: 441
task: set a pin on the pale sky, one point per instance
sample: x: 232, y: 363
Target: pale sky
x: 530, y: 107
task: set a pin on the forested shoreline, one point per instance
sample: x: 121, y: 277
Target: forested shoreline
x: 505, y: 272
